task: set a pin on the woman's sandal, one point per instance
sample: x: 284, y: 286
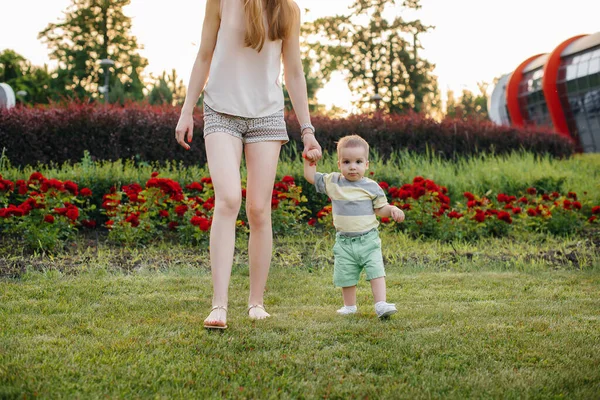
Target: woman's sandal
x: 258, y: 306
x: 216, y: 324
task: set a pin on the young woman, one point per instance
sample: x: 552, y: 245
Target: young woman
x: 243, y: 44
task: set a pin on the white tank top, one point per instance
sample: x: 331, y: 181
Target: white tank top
x: 242, y: 81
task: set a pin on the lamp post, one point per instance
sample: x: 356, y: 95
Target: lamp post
x: 106, y: 64
x: 21, y: 94
x: 376, y: 98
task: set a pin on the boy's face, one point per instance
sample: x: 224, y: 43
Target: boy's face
x: 353, y: 162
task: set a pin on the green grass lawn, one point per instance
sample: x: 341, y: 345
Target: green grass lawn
x: 496, y: 319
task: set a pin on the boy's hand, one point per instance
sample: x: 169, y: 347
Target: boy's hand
x: 312, y: 156
x: 397, y: 214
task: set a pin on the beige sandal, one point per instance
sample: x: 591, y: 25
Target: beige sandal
x: 258, y: 306
x: 216, y: 324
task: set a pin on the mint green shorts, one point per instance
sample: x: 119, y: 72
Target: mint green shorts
x: 355, y: 253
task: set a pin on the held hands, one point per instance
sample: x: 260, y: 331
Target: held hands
x: 397, y: 214
x: 185, y: 125
x: 312, y: 149
x: 312, y: 156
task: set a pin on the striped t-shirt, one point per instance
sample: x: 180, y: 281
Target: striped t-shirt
x: 353, y: 203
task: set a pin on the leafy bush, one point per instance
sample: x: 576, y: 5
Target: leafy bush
x: 45, y: 213
x: 146, y: 133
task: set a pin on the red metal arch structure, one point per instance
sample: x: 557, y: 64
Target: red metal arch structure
x: 550, y: 90
x: 512, y: 93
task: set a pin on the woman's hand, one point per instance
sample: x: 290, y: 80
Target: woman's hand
x: 312, y: 148
x: 185, y: 125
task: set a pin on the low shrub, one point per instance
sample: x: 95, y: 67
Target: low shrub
x: 144, y: 133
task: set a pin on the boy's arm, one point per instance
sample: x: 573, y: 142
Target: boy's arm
x: 390, y: 211
x: 310, y: 168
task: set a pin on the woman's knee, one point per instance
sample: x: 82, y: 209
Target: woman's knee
x: 258, y: 213
x: 228, y: 204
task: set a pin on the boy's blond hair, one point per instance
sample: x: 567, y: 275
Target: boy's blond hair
x: 352, y: 141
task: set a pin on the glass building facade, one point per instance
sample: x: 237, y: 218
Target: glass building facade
x: 579, y: 90
x: 560, y: 90
x: 531, y: 95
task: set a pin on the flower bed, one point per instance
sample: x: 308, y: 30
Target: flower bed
x: 47, y: 212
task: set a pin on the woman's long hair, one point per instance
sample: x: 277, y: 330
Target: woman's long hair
x: 280, y: 19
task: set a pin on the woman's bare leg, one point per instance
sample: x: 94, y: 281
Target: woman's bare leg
x: 224, y: 153
x: 261, y: 162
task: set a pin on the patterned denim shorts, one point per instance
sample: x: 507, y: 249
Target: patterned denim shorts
x: 248, y: 130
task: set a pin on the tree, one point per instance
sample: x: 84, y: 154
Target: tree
x: 378, y: 57
x: 313, y: 84
x: 36, y: 82
x: 167, y: 90
x: 469, y: 106
x: 93, y: 30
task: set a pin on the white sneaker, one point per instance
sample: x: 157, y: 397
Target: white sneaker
x: 384, y: 309
x: 347, y: 310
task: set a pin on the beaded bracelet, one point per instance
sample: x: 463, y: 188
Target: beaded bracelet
x: 307, y: 125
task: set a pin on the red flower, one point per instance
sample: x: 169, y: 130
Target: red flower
x: 532, y: 212
x: 71, y: 187
x: 208, y: 206
x: 596, y: 210
x: 312, y: 221
x: 206, y: 180
x: 49, y: 218
x: 154, y: 174
x: 504, y: 216
x: 469, y: 196
x: 173, y: 225
x: 385, y: 220
x: 195, y: 186
x: 418, y: 192
x: 403, y: 194
x: 11, y: 210
x: 384, y: 185
x: 243, y: 193
x: 546, y: 197
x: 592, y: 218
x: 454, y: 214
x: 133, y: 219
x: 523, y: 200
x: 205, y: 224
x: 6, y: 185
x: 371, y: 173
x: 163, y: 213
x: 36, y: 177
x: 479, y: 216
x: 281, y: 187
x: 572, y: 195
x: 274, y: 203
x: 196, y: 220
x: 577, y: 205
x: 85, y: 192
x: 288, y: 179
x: 22, y: 186
x: 181, y: 209
x: 72, y: 213
x: 531, y: 190
x: 516, y: 210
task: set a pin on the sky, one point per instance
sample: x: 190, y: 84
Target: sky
x: 473, y: 40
